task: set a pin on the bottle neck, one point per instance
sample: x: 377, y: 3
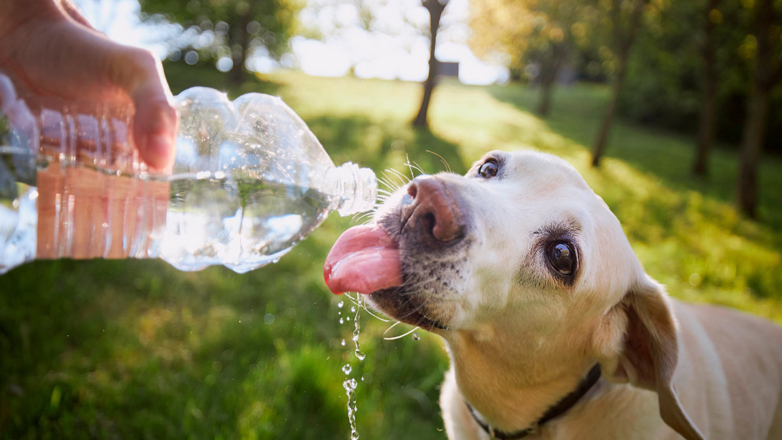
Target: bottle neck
x: 353, y: 189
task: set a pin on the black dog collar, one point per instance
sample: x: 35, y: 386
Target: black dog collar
x: 555, y: 411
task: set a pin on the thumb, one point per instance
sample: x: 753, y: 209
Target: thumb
x: 140, y: 75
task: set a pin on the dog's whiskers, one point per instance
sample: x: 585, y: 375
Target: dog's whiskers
x: 388, y: 183
x: 415, y: 166
x: 409, y: 167
x: 391, y: 182
x: 374, y: 315
x: 442, y: 159
x: 363, y: 305
x: 363, y: 216
x: 400, y: 176
x: 392, y: 326
x: 417, y: 309
x: 393, y: 338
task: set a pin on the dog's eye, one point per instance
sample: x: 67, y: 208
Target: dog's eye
x: 562, y: 257
x: 489, y: 169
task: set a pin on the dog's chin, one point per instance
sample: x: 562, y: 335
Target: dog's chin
x: 405, y: 307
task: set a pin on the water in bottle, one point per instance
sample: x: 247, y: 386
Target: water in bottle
x: 249, y: 181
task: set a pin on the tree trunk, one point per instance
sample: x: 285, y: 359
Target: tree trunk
x: 546, y: 89
x: 707, y: 125
x: 766, y: 76
x: 608, y: 117
x: 549, y: 70
x: 623, y: 41
x: 751, y: 146
x: 240, y: 37
x: 435, y: 9
x: 708, y: 117
x: 236, y: 75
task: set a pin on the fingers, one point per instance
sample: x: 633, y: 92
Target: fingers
x: 140, y: 75
x: 154, y: 128
x: 61, y: 57
x: 74, y: 13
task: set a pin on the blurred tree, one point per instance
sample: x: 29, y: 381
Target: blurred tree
x: 435, y: 8
x: 623, y: 17
x: 501, y: 28
x: 664, y: 85
x: 766, y: 43
x: 241, y: 27
x: 707, y: 124
x: 328, y: 17
x: 532, y: 32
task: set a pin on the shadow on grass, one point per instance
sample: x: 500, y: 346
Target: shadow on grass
x: 387, y: 144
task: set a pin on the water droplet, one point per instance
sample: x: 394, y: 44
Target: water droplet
x: 340, y: 304
x: 343, y: 342
x: 339, y: 313
x: 349, y: 384
x: 362, y: 378
x: 341, y: 321
x: 416, y: 337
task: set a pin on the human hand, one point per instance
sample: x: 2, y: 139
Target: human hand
x: 54, y: 52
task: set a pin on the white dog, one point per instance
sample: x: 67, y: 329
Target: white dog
x: 553, y: 328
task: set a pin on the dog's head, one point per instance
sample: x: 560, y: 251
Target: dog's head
x: 520, y: 253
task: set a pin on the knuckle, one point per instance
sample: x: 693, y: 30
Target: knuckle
x: 144, y: 59
x: 137, y: 71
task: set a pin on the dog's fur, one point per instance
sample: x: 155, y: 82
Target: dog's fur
x: 520, y: 338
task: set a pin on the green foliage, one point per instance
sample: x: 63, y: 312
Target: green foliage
x: 136, y: 349
x: 664, y: 83
x: 531, y: 31
x: 249, y: 24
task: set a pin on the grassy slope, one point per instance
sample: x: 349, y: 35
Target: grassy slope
x: 136, y: 349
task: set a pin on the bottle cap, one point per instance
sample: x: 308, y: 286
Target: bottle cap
x: 356, y: 189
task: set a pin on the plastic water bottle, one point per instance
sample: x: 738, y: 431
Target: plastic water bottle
x: 250, y: 180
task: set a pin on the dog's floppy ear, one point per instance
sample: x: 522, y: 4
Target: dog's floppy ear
x: 650, y: 351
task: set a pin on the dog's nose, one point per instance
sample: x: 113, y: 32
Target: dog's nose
x: 433, y: 211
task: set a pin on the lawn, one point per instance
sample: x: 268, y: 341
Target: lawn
x: 137, y: 349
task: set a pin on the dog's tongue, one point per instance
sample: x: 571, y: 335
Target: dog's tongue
x: 364, y: 259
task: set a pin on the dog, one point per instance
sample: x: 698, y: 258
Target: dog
x: 553, y: 328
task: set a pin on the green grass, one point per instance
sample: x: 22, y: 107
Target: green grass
x: 136, y: 349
